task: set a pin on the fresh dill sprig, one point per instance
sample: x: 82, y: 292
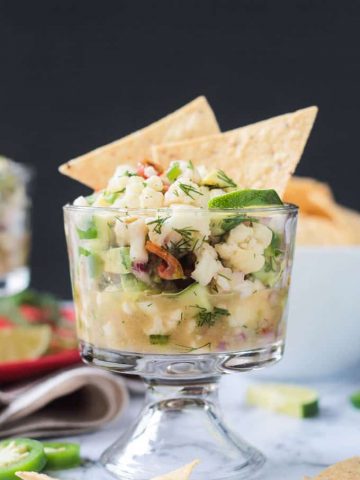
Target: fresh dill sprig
x: 224, y: 178
x: 190, y: 165
x: 208, y: 317
x: 159, y: 222
x: 184, y: 244
x: 185, y: 232
x: 188, y: 190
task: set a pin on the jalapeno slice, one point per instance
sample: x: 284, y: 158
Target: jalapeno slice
x: 61, y: 455
x: 20, y: 454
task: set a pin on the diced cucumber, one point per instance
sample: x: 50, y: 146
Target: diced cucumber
x: 89, y: 233
x: 269, y: 278
x: 174, y: 172
x: 104, y: 224
x: 92, y: 246
x: 193, y: 295
x: 117, y: 260
x: 288, y: 399
x: 130, y: 283
x: 93, y: 261
x: 159, y: 339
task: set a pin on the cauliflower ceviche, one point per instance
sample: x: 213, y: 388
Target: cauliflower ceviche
x: 155, y: 270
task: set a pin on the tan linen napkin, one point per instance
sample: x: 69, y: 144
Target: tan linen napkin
x: 64, y: 403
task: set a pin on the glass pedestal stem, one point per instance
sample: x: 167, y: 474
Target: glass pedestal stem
x: 180, y: 423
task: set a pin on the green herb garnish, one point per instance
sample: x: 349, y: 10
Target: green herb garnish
x: 159, y: 222
x: 208, y: 317
x: 221, y: 175
x: 84, y: 251
x: 190, y: 165
x: 184, y: 244
x: 159, y: 339
x: 188, y: 190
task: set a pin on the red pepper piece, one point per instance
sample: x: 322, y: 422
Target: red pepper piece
x: 171, y: 268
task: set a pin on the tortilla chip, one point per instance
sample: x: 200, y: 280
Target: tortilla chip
x: 262, y: 155
x: 348, y: 220
x: 313, y: 197
x: 182, y: 473
x: 346, y: 470
x: 33, y: 476
x: 94, y: 169
x: 313, y: 230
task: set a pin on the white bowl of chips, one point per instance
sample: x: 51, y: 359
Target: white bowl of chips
x: 324, y: 318
x: 323, y: 333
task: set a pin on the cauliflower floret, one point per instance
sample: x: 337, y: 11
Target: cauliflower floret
x: 186, y: 192
x: 81, y: 202
x: 244, y: 249
x: 162, y: 230
x: 188, y: 170
x: 155, y: 183
x: 120, y: 178
x: 156, y: 323
x: 130, y: 231
x: 150, y: 198
x: 207, y: 265
x: 149, y: 171
x: 248, y: 287
x: 223, y: 279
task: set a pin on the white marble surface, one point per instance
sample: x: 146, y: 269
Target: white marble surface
x: 293, y: 447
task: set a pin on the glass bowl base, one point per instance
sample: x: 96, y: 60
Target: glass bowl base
x: 180, y: 424
x: 182, y: 366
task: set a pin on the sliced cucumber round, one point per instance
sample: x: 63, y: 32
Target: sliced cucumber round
x: 20, y: 454
x: 355, y: 399
x: 288, y: 399
x: 61, y: 455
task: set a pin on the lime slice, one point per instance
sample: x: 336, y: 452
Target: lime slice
x: 20, y: 454
x: 24, y: 343
x: 246, y: 198
x: 355, y: 399
x: 61, y: 455
x: 289, y: 399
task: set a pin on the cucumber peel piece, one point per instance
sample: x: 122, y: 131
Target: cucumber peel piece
x: 290, y: 400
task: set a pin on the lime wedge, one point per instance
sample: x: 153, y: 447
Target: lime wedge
x: 355, y: 399
x: 246, y: 198
x: 24, y: 343
x: 288, y: 399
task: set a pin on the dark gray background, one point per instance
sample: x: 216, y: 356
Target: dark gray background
x: 77, y: 74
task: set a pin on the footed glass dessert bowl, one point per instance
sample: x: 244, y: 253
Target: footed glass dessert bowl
x: 180, y: 296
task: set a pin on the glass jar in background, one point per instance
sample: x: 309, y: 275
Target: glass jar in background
x: 15, y: 204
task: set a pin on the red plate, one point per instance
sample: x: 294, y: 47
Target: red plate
x: 12, y: 371
x: 20, y: 370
